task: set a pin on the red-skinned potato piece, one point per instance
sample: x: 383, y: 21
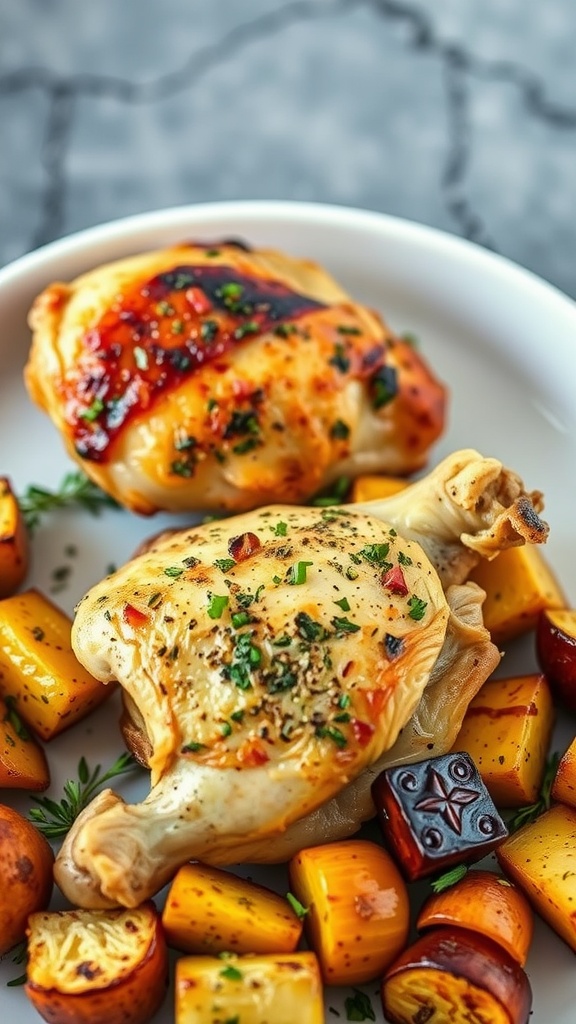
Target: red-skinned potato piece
x: 556, y: 650
x: 451, y: 974
x: 26, y: 881
x: 97, y: 966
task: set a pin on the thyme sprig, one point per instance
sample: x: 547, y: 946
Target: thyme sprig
x: 55, y: 819
x: 449, y: 878
x: 74, y: 489
x: 528, y: 814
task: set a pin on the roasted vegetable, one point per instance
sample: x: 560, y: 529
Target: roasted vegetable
x: 519, y: 584
x: 541, y: 859
x: 436, y: 813
x: 487, y: 903
x: 456, y: 976
x: 38, y: 668
x: 23, y: 763
x: 210, y: 911
x: 369, y: 488
x: 25, y: 875
x: 506, y: 731
x: 281, y: 988
x: 564, y: 785
x: 357, y: 903
x: 556, y: 650
x: 97, y: 966
x: 13, y: 541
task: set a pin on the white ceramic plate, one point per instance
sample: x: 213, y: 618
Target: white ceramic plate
x: 503, y: 340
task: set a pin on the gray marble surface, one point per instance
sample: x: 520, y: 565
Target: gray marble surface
x: 452, y: 113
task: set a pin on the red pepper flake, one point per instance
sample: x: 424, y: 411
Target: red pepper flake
x: 376, y: 700
x: 198, y: 300
x: 362, y: 731
x: 133, y: 617
x: 240, y: 548
x: 252, y: 754
x: 393, y: 580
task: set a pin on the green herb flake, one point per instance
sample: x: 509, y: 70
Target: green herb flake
x: 224, y: 564
x: 417, y: 608
x: 282, y: 641
x: 376, y: 554
x: 226, y: 729
x: 298, y: 572
x: 344, y: 604
x: 216, y: 605
x: 339, y: 430
x: 331, y: 733
x: 191, y: 748
x: 248, y: 327
x: 343, y: 625
x: 177, y: 326
x: 359, y: 1006
x: 280, y: 529
x: 245, y: 446
x: 93, y: 411
x: 383, y: 386
x: 404, y: 559
x: 308, y: 628
x: 340, y: 359
x: 240, y: 619
x: 231, y: 973
x: 174, y: 571
x: 345, y: 329
x: 449, y: 878
x: 297, y: 907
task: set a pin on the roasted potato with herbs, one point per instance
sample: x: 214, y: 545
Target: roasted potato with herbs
x: 23, y: 762
x: 556, y: 649
x: 486, y: 903
x: 506, y: 730
x: 13, y: 541
x: 38, y: 668
x: 279, y: 988
x: 97, y: 967
x: 208, y: 910
x: 358, y: 911
x: 541, y: 859
x: 451, y: 974
x: 26, y: 861
x: 564, y: 785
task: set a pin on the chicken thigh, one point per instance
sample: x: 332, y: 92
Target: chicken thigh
x: 213, y: 376
x: 275, y: 660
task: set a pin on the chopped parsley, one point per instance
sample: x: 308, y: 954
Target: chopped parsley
x: 216, y: 605
x: 359, y: 1007
x: 343, y: 625
x: 344, y: 604
x: 383, y: 386
x: 298, y: 572
x: 174, y: 571
x: 224, y: 564
x: 297, y: 907
x: 417, y: 607
x: 339, y: 430
x: 376, y: 554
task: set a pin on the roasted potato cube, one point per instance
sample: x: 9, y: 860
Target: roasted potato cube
x: 26, y: 881
x: 506, y: 731
x: 38, y: 668
x: 541, y: 859
x: 564, y: 785
x: 452, y: 974
x: 208, y: 910
x: 369, y: 488
x: 13, y: 541
x: 97, y: 966
x: 487, y: 903
x: 358, y: 911
x: 556, y: 650
x: 519, y: 584
x: 282, y: 988
x: 23, y: 762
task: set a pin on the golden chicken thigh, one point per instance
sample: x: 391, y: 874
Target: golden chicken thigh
x: 273, y: 660
x: 213, y: 376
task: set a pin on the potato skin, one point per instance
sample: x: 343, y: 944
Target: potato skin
x: 26, y: 861
x: 133, y: 1000
x: 14, y: 548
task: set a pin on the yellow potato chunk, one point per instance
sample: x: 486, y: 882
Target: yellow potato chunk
x: 283, y: 988
x: 519, y: 584
x: 541, y: 859
x: 358, y: 911
x: 208, y: 910
x: 564, y: 785
x: 506, y: 731
x: 13, y: 541
x: 370, y: 488
x: 22, y: 761
x: 38, y: 668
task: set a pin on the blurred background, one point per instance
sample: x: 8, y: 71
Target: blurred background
x: 457, y: 114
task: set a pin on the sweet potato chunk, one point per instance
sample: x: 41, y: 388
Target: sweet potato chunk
x: 506, y: 731
x: 541, y: 859
x: 38, y: 668
x: 97, y: 966
x: 13, y: 541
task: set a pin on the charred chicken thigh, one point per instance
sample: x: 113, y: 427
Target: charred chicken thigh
x: 212, y: 376
x: 274, y: 661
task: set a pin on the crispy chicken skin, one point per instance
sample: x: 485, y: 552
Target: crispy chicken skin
x: 212, y: 376
x: 275, y: 660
